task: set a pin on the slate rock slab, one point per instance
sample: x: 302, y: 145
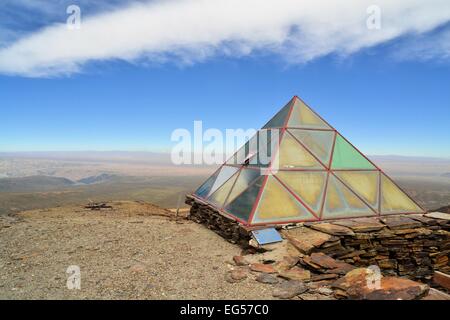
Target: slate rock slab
x: 361, y: 224
x: 267, y: 278
x: 289, y: 289
x: 306, y: 239
x: 323, y: 263
x: 333, y: 229
x: 296, y: 273
x: 260, y: 267
x: 400, y: 222
x: 438, y: 215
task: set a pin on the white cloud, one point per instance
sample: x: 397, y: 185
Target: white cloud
x: 188, y: 31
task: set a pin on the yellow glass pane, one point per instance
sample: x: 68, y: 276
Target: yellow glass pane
x: 309, y: 186
x: 220, y: 195
x: 363, y: 183
x: 319, y: 142
x: 293, y: 155
x: 340, y: 202
x: 303, y: 117
x: 277, y: 204
x: 394, y: 200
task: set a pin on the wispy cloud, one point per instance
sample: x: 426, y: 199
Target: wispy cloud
x: 189, y: 31
x: 433, y: 46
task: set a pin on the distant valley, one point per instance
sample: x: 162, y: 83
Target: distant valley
x: 42, y: 180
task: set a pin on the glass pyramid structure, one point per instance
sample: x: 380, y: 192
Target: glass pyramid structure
x: 313, y: 173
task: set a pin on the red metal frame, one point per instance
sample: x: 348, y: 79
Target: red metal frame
x: 324, y: 196
x: 327, y: 168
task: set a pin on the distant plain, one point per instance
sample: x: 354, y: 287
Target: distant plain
x: 45, y: 180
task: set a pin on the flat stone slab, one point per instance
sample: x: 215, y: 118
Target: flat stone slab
x: 267, y: 278
x: 400, y: 222
x: 361, y: 224
x: 306, y: 239
x: 425, y: 220
x: 333, y: 229
x: 361, y: 284
x: 296, y: 273
x: 323, y: 263
x: 289, y: 289
x: 260, y: 267
x: 438, y: 215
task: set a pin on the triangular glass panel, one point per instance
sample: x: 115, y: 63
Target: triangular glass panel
x: 242, y: 206
x: 363, y: 183
x: 309, y: 186
x: 245, y: 178
x: 278, y: 204
x: 394, y: 200
x: 340, y: 202
x: 293, y: 155
x: 204, y: 189
x: 247, y: 150
x: 303, y: 117
x: 279, y: 120
x: 220, y: 195
x: 345, y: 156
x: 318, y: 142
x: 225, y: 173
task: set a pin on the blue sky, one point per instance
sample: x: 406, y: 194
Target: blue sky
x: 388, y: 95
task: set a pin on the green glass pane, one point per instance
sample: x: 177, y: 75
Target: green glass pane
x: 242, y: 206
x: 345, y: 156
x: 246, y: 177
x: 225, y: 173
x: 280, y: 118
x: 220, y: 195
x: 303, y: 117
x: 318, y: 142
x: 204, y: 189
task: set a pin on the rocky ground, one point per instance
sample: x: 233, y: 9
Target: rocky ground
x: 134, y: 251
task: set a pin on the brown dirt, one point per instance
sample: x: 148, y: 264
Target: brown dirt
x: 135, y: 251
